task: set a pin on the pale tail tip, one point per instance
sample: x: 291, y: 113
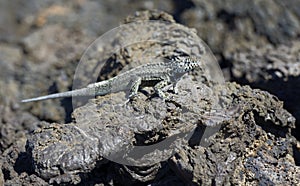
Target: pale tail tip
x: 31, y: 100
x: 25, y: 100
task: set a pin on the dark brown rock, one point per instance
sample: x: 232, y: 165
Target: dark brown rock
x: 41, y: 43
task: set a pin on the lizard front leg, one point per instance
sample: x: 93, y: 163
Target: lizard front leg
x: 174, y: 80
x: 175, y: 87
x: 136, y: 82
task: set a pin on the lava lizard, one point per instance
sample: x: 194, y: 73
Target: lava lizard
x: 161, y: 73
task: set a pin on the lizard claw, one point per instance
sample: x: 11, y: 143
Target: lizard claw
x: 130, y: 98
x: 126, y: 102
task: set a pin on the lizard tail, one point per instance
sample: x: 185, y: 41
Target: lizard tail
x: 78, y: 92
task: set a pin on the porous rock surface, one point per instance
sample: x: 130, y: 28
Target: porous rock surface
x: 253, y: 143
x: 243, y: 151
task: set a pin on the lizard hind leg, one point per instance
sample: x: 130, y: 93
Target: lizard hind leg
x: 134, y: 87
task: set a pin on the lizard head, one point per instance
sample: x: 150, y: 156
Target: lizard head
x: 186, y: 63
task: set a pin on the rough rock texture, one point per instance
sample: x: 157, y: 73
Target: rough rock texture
x: 234, y: 24
x: 41, y: 43
x: 104, y: 128
x: 242, y: 152
x: 261, y: 35
x: 275, y: 69
x: 271, y: 63
x: 107, y: 125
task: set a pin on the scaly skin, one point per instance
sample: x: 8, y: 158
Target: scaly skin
x: 164, y: 73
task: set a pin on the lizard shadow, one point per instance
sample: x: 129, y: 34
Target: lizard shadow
x: 66, y: 103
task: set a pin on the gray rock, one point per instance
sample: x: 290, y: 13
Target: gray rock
x: 275, y: 69
x: 246, y: 148
x: 234, y: 24
x: 41, y: 44
x: 250, y: 121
